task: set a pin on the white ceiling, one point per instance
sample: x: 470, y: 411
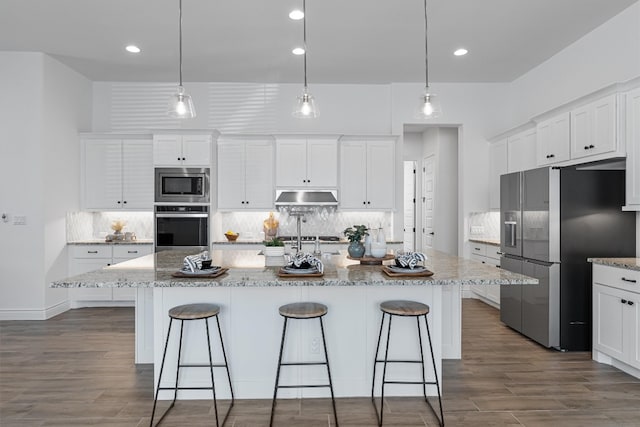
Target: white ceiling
x: 349, y: 41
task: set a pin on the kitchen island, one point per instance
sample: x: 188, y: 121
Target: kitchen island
x: 251, y: 292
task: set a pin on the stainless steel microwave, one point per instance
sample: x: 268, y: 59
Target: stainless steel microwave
x: 182, y: 185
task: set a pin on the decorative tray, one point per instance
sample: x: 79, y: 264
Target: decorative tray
x: 393, y: 271
x: 291, y: 273
x: 369, y: 260
x: 209, y: 273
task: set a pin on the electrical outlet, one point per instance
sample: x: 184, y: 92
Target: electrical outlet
x: 316, y: 344
x: 19, y: 220
x: 477, y: 229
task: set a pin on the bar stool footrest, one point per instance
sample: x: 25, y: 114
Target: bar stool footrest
x: 302, y: 363
x: 304, y: 386
x: 399, y: 361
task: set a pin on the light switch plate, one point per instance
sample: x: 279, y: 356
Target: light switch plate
x: 19, y: 220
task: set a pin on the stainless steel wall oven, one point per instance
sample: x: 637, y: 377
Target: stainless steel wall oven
x: 181, y: 227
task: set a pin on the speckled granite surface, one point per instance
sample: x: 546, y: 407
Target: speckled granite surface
x: 247, y: 269
x: 102, y: 242
x: 260, y: 242
x: 493, y: 242
x: 628, y: 263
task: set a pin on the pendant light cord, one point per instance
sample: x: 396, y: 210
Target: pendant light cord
x: 304, y: 39
x: 180, y: 38
x: 426, y: 47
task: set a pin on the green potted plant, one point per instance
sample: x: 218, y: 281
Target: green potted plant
x: 273, y: 247
x: 354, y: 235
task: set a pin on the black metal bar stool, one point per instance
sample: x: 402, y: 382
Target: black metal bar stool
x: 405, y: 309
x: 194, y: 312
x: 303, y: 310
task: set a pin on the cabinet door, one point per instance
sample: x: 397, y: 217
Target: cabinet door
x: 102, y: 174
x: 633, y: 150
x: 291, y: 163
x: 353, y: 175
x: 593, y: 128
x: 259, y: 188
x: 231, y: 194
x: 137, y: 174
x: 497, y: 167
x: 553, y: 142
x: 478, y: 289
x: 85, y: 265
x: 322, y: 162
x: 380, y: 175
x: 521, y: 151
x: 608, y: 321
x: 196, y: 150
x: 167, y: 150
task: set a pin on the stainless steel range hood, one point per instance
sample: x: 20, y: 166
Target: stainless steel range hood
x: 293, y: 198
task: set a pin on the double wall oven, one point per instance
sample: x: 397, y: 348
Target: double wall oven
x: 181, y: 213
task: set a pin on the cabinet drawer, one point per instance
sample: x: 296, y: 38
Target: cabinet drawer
x: 131, y: 251
x: 90, y: 251
x: 620, y: 278
x: 493, y: 252
x: 478, y: 249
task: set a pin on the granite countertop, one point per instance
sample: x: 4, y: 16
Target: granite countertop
x: 247, y: 269
x: 117, y: 242
x: 628, y: 263
x: 493, y: 242
x: 287, y: 242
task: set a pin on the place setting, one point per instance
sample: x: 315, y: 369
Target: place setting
x: 199, y: 265
x: 302, y: 265
x: 408, y: 264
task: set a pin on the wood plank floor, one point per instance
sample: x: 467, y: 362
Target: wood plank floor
x: 77, y: 370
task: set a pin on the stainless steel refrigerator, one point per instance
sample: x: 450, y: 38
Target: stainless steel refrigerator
x: 552, y: 220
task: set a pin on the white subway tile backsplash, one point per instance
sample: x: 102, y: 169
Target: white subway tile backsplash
x: 484, y: 225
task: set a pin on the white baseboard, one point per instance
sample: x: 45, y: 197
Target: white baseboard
x: 44, y: 314
x: 85, y: 304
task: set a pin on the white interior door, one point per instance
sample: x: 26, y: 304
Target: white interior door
x: 428, y: 201
x: 409, y: 206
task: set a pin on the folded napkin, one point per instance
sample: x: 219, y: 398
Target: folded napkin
x: 193, y: 263
x: 299, y: 260
x: 410, y: 259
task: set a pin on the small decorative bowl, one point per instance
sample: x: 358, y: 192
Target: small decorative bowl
x: 378, y: 252
x: 231, y: 237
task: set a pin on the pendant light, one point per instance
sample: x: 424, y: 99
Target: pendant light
x: 181, y: 105
x: 305, y: 105
x: 429, y: 106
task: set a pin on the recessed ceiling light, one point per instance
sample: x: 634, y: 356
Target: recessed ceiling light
x: 296, y: 14
x: 132, y: 49
x: 460, y: 52
x: 298, y: 51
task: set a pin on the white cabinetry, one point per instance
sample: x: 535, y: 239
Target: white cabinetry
x: 117, y: 174
x: 633, y: 150
x: 616, y: 317
x: 86, y: 258
x: 521, y: 151
x: 486, y: 254
x: 306, y: 162
x: 553, y: 140
x: 182, y: 150
x: 497, y: 166
x: 245, y: 174
x: 367, y: 174
x: 593, y: 128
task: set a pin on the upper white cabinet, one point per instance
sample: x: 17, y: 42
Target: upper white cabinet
x: 182, y: 150
x: 245, y: 174
x: 497, y: 166
x: 553, y: 140
x: 306, y: 162
x: 521, y: 151
x: 367, y: 174
x: 117, y: 174
x: 633, y: 150
x: 593, y: 128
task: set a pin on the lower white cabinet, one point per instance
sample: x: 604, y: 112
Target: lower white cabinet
x: 633, y: 150
x: 616, y: 317
x: 486, y: 254
x: 86, y: 258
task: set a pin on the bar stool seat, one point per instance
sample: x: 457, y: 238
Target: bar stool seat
x: 302, y: 311
x: 405, y: 308
x: 188, y: 312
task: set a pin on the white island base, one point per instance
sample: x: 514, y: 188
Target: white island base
x: 252, y: 329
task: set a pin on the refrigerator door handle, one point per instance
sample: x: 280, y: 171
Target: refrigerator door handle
x: 510, y: 232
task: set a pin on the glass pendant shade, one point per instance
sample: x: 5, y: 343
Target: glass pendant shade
x: 429, y: 107
x: 181, y: 105
x: 305, y: 107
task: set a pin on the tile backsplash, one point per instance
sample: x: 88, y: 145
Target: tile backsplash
x: 484, y: 225
x: 96, y: 225
x: 249, y: 224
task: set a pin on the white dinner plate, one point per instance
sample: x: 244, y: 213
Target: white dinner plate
x: 403, y: 270
x: 293, y: 270
x: 206, y: 271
